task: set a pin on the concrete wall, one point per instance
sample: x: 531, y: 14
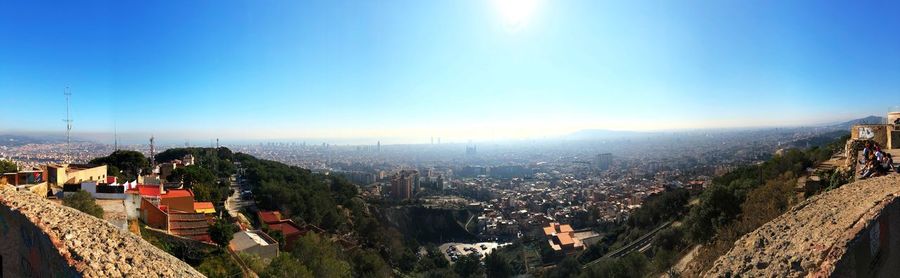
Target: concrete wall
x: 877, y: 133
x: 153, y: 217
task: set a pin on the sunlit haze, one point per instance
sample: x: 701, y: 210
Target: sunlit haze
x: 456, y: 69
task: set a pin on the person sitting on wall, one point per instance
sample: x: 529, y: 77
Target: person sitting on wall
x: 887, y: 163
x: 866, y: 151
x: 871, y: 167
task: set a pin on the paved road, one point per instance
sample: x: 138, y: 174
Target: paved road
x: 234, y: 204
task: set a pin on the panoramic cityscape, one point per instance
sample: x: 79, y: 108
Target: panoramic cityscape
x: 472, y: 138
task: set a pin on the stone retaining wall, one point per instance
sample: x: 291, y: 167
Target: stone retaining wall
x: 851, y: 231
x: 42, y: 239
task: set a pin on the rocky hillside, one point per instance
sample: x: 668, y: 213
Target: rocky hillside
x: 812, y: 237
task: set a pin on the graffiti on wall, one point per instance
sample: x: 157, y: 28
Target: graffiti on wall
x: 865, y: 133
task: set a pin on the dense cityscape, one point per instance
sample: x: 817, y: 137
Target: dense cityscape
x: 449, y: 139
x: 582, y: 190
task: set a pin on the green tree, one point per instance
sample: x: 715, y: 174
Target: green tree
x: 278, y: 237
x: 433, y: 259
x: 7, y: 166
x: 219, y: 265
x: 326, y: 262
x: 568, y: 267
x: 632, y: 265
x: 254, y: 262
x: 495, y: 265
x: 126, y: 164
x: 468, y: 266
x: 286, y: 266
x: 369, y: 264
x: 192, y: 175
x: 222, y: 232
x: 441, y: 273
x: 83, y: 201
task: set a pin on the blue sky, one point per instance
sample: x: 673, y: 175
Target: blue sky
x: 458, y: 69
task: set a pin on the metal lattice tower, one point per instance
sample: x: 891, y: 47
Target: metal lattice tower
x: 68, y: 121
x: 152, y: 153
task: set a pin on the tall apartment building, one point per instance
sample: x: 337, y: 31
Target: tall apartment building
x: 403, y: 184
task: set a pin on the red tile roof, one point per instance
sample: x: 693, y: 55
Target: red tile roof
x: 287, y: 228
x: 178, y: 193
x: 269, y: 217
x: 146, y: 190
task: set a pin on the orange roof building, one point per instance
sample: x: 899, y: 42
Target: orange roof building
x: 562, y: 238
x: 271, y: 221
x: 204, y: 207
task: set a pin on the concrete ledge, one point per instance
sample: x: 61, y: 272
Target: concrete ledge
x: 72, y: 243
x: 843, y: 232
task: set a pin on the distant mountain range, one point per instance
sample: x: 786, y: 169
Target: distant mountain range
x: 605, y: 134
x: 15, y: 140
x: 594, y: 134
x: 867, y: 120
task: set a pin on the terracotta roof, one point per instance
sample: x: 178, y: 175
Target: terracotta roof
x: 269, y: 217
x: 565, y: 228
x: 565, y: 239
x: 146, y: 190
x: 287, y: 228
x: 548, y: 231
x: 178, y: 193
x: 204, y: 207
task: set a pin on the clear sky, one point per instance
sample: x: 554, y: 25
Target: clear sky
x: 457, y: 69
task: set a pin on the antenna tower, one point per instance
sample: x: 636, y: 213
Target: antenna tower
x: 152, y: 153
x: 68, y: 121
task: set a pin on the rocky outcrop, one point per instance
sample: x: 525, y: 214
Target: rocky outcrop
x: 40, y: 238
x: 843, y: 232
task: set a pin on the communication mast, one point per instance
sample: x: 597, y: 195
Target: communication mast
x: 115, y: 137
x: 68, y: 121
x: 152, y: 153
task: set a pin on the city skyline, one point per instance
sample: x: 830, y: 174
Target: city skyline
x: 459, y: 70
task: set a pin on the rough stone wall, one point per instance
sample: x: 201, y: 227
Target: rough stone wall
x: 39, y: 238
x: 838, y: 233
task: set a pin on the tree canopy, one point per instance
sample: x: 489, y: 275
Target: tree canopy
x: 84, y: 202
x: 124, y: 164
x: 7, y: 166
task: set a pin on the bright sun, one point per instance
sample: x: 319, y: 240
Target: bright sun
x: 515, y: 13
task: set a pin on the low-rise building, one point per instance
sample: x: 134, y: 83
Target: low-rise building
x: 271, y: 221
x: 562, y: 238
x: 254, y: 242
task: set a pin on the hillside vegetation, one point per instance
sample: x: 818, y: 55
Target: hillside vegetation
x: 735, y: 204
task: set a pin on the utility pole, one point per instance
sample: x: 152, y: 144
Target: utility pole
x: 68, y: 121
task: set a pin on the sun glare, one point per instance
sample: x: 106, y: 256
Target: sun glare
x: 515, y: 13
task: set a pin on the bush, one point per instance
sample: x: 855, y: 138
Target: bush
x: 222, y: 232
x: 83, y: 201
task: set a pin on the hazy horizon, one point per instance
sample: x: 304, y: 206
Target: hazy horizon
x: 458, y: 70
x: 174, y: 138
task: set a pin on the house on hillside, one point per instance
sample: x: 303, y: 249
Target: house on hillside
x: 254, y: 242
x: 271, y: 221
x: 172, y: 210
x: 562, y: 238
